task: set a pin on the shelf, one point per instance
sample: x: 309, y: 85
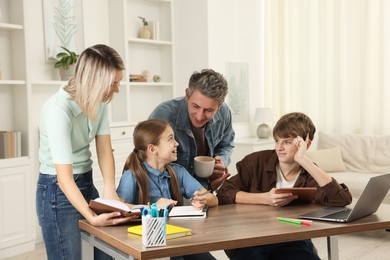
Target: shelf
x: 147, y: 41
x: 10, y: 26
x: 150, y: 84
x: 49, y: 82
x: 160, y: 1
x: 150, y: 57
x: 120, y: 124
x: 15, y: 162
x: 12, y: 82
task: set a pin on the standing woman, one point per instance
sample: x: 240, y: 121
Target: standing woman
x: 70, y: 120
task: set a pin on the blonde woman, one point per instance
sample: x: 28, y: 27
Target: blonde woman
x: 70, y: 120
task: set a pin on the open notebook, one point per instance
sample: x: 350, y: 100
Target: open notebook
x: 368, y: 203
x: 188, y: 212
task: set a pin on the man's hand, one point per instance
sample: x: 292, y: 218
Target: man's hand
x: 220, y: 174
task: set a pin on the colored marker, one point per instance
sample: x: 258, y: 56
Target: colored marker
x: 304, y: 221
x: 295, y: 221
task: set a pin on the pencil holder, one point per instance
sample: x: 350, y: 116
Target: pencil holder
x: 153, y: 231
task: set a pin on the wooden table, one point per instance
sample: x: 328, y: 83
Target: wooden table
x: 231, y: 226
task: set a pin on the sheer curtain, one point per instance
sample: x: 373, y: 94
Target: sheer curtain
x: 331, y: 60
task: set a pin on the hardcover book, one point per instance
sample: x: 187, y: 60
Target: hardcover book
x: 101, y: 205
x: 305, y: 194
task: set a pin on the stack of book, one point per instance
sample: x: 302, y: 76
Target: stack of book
x: 10, y: 144
x: 137, y: 78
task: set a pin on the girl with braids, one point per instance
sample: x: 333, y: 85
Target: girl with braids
x: 149, y: 174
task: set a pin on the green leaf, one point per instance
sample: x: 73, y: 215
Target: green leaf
x: 65, y: 59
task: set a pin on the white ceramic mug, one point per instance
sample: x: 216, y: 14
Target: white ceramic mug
x: 204, y: 166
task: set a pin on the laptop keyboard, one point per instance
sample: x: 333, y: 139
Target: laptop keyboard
x: 339, y: 215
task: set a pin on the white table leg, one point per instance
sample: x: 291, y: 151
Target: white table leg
x: 88, y: 242
x: 86, y: 249
x: 333, y: 248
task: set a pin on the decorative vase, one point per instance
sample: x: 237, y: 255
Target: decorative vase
x: 67, y: 74
x: 144, y: 32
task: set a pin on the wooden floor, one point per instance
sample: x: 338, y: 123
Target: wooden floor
x: 362, y: 246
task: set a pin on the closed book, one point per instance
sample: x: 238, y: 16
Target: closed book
x: 188, y: 212
x: 101, y: 205
x: 305, y: 194
x: 172, y: 231
x: 18, y: 144
x: 2, y: 144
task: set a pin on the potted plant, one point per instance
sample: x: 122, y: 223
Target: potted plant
x: 65, y: 63
x: 144, y: 31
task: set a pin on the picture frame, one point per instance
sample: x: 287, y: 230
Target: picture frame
x: 63, y: 26
x: 238, y: 98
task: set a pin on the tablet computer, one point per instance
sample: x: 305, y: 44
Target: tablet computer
x: 305, y: 194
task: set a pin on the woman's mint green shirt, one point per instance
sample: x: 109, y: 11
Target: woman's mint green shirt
x: 65, y: 133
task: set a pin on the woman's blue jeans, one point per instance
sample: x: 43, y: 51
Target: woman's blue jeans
x: 59, y: 220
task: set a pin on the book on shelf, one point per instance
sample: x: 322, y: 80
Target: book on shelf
x: 171, y: 231
x: 10, y: 144
x: 101, y: 205
x: 154, y: 27
x: 188, y: 212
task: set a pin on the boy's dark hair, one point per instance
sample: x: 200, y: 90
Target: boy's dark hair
x: 293, y: 125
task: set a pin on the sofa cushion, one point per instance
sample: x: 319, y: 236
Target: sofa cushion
x: 329, y: 160
x: 361, y: 153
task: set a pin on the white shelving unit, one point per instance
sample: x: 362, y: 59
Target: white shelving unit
x: 153, y: 55
x: 16, y: 204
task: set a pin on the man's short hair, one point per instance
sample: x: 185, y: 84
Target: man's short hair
x: 210, y: 84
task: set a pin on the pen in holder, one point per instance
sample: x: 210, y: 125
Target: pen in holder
x: 153, y: 230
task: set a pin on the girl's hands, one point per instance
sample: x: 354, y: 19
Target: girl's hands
x: 199, y: 201
x: 163, y: 202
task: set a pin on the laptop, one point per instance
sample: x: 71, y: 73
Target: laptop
x: 367, y: 203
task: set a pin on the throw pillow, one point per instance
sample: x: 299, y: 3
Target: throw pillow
x: 330, y: 160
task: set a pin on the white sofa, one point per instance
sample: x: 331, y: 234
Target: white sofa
x: 352, y: 159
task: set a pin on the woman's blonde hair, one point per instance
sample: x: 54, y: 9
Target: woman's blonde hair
x: 94, y: 77
x: 145, y: 133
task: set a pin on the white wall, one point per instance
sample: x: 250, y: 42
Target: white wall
x: 191, y: 40
x: 212, y: 33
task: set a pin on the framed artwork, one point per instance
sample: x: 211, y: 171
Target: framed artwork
x: 238, y: 97
x: 62, y: 26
